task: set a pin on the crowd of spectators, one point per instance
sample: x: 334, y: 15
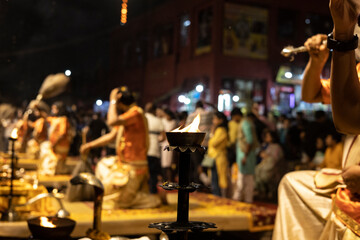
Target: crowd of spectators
x: 251, y: 152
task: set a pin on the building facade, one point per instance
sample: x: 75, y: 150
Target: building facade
x: 231, y: 48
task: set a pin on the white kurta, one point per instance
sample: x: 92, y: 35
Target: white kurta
x: 167, y: 156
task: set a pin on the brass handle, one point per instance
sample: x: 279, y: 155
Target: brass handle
x: 290, y: 51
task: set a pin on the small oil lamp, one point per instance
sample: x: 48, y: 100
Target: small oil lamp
x: 185, y: 141
x: 51, y: 228
x: 10, y: 214
x: 44, y: 222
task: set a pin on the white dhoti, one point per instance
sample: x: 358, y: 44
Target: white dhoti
x: 302, y: 213
x: 308, y: 213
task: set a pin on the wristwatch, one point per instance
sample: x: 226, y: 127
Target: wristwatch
x: 341, y: 46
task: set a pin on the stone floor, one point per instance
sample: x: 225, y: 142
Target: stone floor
x: 242, y: 235
x: 239, y: 235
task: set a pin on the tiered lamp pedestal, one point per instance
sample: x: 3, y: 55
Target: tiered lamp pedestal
x: 184, y: 187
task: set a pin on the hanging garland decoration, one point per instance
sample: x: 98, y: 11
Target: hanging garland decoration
x: 124, y: 11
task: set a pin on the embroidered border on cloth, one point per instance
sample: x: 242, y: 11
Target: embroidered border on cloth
x: 348, y: 221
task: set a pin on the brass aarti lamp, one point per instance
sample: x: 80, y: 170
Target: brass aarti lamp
x: 185, y: 141
x: 10, y: 214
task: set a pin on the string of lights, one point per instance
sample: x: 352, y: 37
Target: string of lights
x: 124, y: 11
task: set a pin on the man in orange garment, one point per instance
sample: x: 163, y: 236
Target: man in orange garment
x: 53, y: 133
x: 59, y: 135
x: 306, y: 210
x: 126, y: 180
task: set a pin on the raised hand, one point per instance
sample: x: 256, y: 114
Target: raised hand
x: 317, y: 49
x: 344, y: 14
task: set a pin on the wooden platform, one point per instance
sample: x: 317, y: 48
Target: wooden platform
x: 228, y: 215
x: 32, y: 164
x: 56, y: 181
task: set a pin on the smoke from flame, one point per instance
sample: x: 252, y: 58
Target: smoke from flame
x: 192, y: 127
x: 44, y: 222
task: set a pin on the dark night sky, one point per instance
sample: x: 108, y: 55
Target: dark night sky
x: 40, y: 37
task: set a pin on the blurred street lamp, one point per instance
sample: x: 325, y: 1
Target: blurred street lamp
x: 99, y: 102
x: 187, y: 101
x: 199, y: 88
x: 181, y: 98
x: 288, y: 75
x: 236, y: 98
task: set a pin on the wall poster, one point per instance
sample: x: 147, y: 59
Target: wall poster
x: 245, y: 31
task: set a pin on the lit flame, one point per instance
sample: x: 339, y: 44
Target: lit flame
x: 192, y: 127
x: 14, y: 133
x: 44, y: 222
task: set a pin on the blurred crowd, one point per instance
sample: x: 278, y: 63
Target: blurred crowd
x: 246, y: 156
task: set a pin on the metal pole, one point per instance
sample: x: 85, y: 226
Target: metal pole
x: 99, y: 193
x: 183, y: 195
x: 12, y: 170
